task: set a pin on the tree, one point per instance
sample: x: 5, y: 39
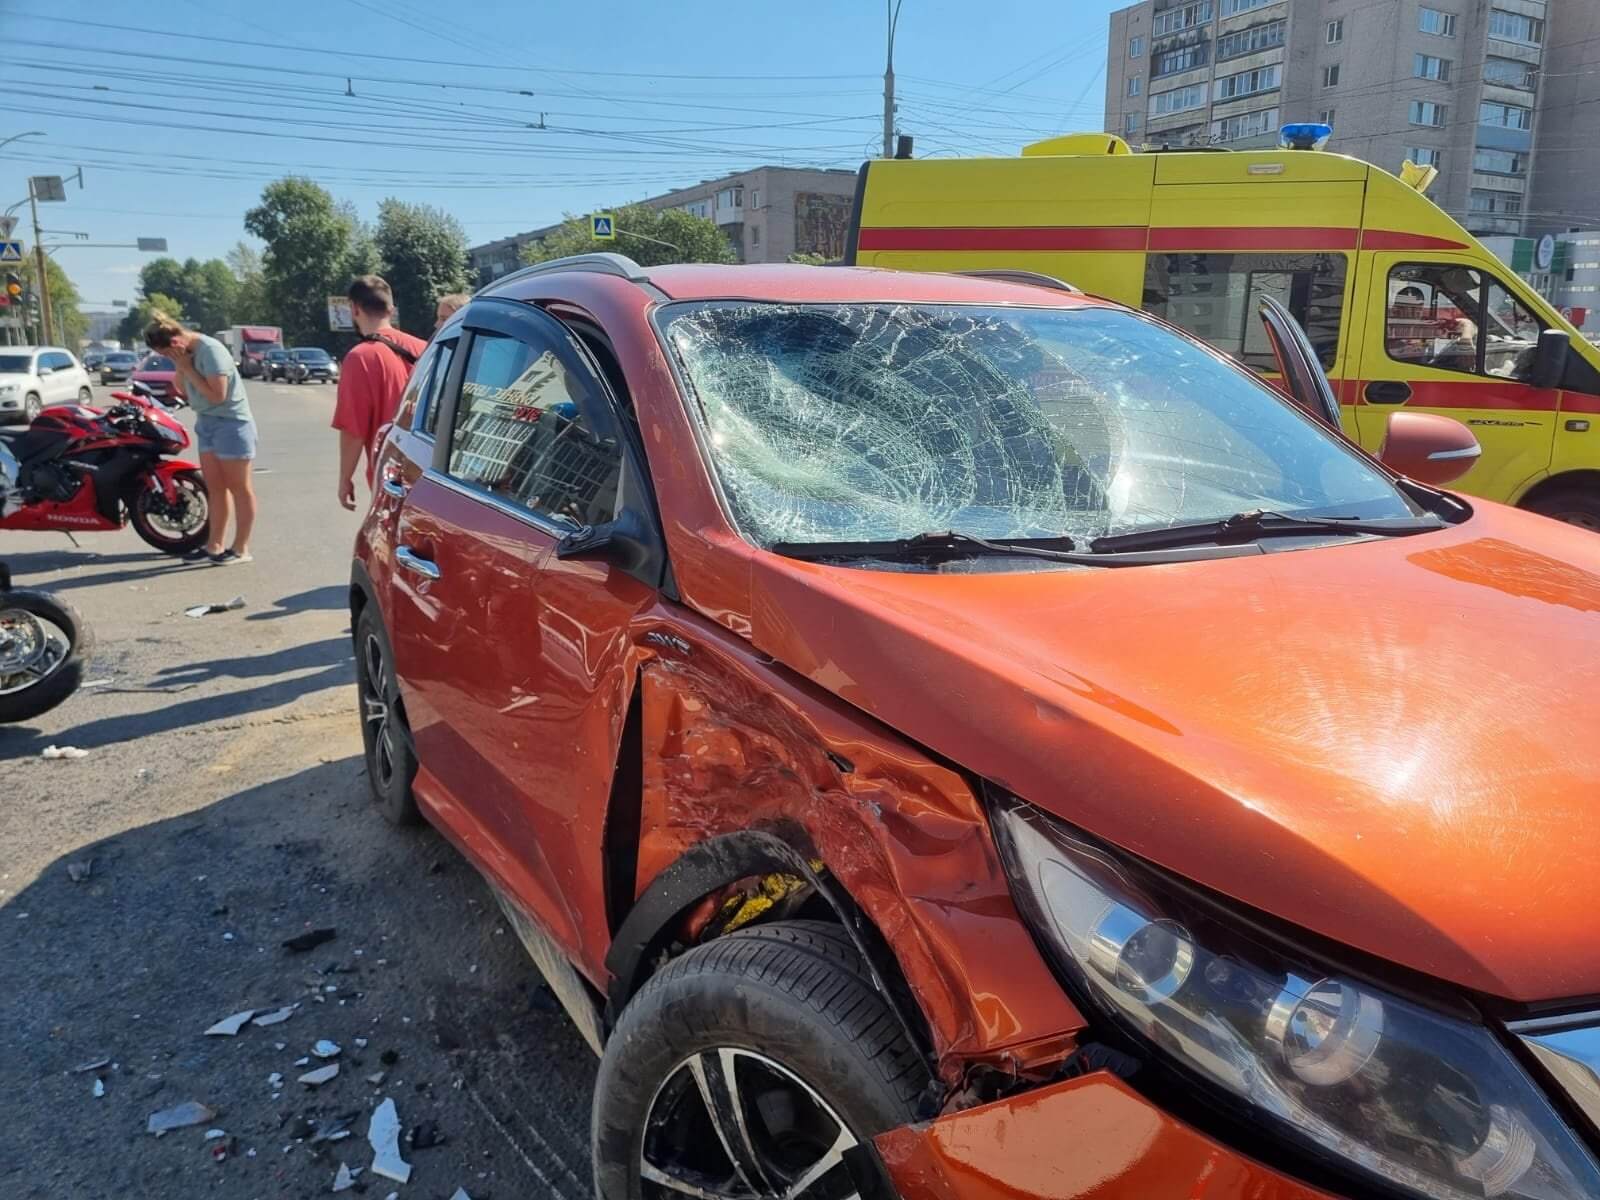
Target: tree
x: 207, y: 290
x: 424, y: 252
x: 312, y: 244
x: 641, y: 230
x: 131, y: 331
x: 809, y: 258
x: 68, y: 325
x: 250, y: 290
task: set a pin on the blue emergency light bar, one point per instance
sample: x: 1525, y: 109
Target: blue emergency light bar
x: 1305, y: 135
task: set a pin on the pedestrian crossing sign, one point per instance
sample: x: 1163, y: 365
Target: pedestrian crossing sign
x: 10, y: 252
x: 602, y: 227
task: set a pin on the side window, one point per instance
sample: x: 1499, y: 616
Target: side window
x: 407, y: 412
x: 1215, y: 297
x: 55, y: 360
x: 520, y: 433
x: 1456, y: 318
x: 433, y: 388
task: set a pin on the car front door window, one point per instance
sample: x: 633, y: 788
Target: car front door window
x: 1456, y: 318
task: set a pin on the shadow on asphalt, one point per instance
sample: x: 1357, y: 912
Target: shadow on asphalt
x: 181, y: 922
x: 327, y: 662
x: 332, y: 597
x: 47, y: 562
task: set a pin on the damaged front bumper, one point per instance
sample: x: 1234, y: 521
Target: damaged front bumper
x: 1090, y: 1138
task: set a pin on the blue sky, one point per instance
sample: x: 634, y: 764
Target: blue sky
x: 179, y: 118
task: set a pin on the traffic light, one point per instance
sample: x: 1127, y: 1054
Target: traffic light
x: 13, y: 288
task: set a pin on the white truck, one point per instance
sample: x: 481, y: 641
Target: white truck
x: 249, y: 344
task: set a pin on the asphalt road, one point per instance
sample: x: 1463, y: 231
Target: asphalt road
x: 222, y: 808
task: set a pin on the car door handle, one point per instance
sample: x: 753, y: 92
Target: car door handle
x: 1387, y: 391
x: 414, y: 562
x: 393, y: 485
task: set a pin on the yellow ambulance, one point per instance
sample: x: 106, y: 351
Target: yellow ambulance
x: 1406, y: 308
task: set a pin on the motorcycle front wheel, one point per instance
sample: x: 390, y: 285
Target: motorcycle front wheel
x: 174, y: 528
x: 44, y: 650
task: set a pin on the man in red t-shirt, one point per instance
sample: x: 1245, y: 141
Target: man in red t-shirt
x: 371, y: 379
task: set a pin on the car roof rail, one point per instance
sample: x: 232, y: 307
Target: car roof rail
x: 1035, y: 278
x: 604, y: 263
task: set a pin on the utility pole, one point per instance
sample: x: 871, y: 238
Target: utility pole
x: 893, y: 9
x: 43, y: 281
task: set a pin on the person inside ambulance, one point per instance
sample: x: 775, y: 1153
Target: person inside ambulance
x: 1458, y: 349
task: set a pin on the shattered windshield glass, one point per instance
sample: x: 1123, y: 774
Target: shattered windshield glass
x: 863, y: 422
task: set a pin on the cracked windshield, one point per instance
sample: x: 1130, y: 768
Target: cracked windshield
x: 868, y: 423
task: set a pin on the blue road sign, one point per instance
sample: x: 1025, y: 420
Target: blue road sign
x: 602, y: 227
x: 10, y: 252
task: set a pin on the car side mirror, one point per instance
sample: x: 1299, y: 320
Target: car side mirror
x: 1428, y: 448
x: 1550, y: 358
x: 624, y: 541
x: 44, y: 370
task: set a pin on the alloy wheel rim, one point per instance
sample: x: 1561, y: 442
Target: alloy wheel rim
x: 731, y: 1124
x: 1583, y: 520
x: 182, y: 518
x: 31, y: 649
x: 377, y: 710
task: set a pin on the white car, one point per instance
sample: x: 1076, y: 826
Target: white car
x: 35, y: 377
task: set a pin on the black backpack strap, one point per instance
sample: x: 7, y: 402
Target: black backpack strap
x: 409, y: 358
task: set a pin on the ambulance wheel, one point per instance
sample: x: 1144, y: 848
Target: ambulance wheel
x: 1578, y: 506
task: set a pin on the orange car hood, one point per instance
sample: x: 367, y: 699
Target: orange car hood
x: 1395, y: 743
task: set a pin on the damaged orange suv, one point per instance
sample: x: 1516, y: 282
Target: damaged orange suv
x: 955, y: 737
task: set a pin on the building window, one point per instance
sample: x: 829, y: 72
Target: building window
x: 1232, y: 8
x: 1424, y: 156
x: 1507, y: 72
x: 1437, y: 22
x: 731, y: 198
x: 1499, y: 162
x: 1244, y: 125
x: 1186, y: 59
x: 1327, y: 116
x: 1135, y: 47
x: 755, y: 235
x: 1482, y: 200
x: 1178, y: 100
x: 1248, y: 41
x: 1215, y: 297
x: 1428, y: 66
x: 1130, y: 124
x: 1507, y: 116
x: 1330, y: 75
x: 1426, y: 112
x: 1335, y: 32
x: 755, y: 197
x: 1176, y: 19
x: 1248, y: 83
x: 1134, y: 85
x: 1514, y: 27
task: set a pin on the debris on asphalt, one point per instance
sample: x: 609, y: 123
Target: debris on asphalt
x: 303, y: 1061
x: 89, y: 683
x: 179, y: 1116
x: 213, y: 1134
x: 275, y: 1016
x: 230, y: 1026
x: 334, y: 1129
x: 383, y: 1135
x: 97, y: 1065
x: 460, y: 1194
x: 425, y: 1136
x: 345, y: 1178
x: 79, y: 871
x: 361, y: 1043
x: 275, y: 1080
x: 63, y: 752
x: 203, y: 610
x: 376, y: 1078
x: 309, y: 940
x: 222, y: 1146
x: 320, y: 1076
x: 99, y: 1088
x: 323, y: 1048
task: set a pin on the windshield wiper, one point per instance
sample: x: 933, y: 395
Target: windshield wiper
x: 1255, y: 524
x: 933, y: 546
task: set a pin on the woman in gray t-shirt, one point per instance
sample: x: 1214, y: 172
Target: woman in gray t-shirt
x: 224, y: 431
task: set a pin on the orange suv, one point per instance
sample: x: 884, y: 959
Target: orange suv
x: 954, y: 736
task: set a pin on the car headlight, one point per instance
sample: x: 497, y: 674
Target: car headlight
x: 7, y: 388
x: 1431, y: 1103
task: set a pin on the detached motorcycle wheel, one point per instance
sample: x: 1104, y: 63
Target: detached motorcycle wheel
x: 171, y: 528
x: 44, y: 650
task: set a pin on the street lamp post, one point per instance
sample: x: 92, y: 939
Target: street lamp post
x: 893, y: 7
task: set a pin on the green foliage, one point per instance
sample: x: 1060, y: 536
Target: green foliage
x: 640, y: 232
x: 424, y: 252
x: 809, y: 258
x: 207, y: 291
x: 250, y: 288
x: 314, y: 246
x: 131, y: 331
x: 69, y: 325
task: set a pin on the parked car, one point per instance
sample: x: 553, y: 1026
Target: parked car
x: 312, y: 364
x: 275, y: 364
x: 92, y: 359
x: 158, y: 373
x: 955, y: 736
x: 118, y: 366
x: 34, y: 377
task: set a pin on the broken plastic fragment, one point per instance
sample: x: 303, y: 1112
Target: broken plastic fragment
x: 229, y: 1026
x: 361, y: 1043
x: 275, y: 1080
x: 276, y: 1016
x: 202, y: 610
x: 383, y: 1134
x: 63, y: 752
x: 320, y: 1076
x: 99, y: 1088
x: 213, y: 1134
x: 79, y: 871
x: 343, y: 1179
x: 376, y: 1078
x: 179, y: 1116
x: 323, y: 1048
x: 460, y: 1194
x: 303, y: 1061
x: 96, y: 1065
x: 309, y: 940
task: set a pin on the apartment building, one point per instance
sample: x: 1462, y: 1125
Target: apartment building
x: 767, y: 214
x: 1450, y: 83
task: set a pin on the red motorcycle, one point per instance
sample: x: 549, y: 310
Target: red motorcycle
x: 85, y: 469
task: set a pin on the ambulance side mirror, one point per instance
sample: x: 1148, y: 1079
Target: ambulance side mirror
x: 1550, y: 359
x: 1428, y: 448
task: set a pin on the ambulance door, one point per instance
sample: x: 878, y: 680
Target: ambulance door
x: 1457, y: 337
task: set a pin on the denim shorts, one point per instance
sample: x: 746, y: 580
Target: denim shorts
x: 225, y: 437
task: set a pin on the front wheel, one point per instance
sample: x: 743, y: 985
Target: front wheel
x: 31, y: 406
x: 44, y: 650
x: 174, y: 527
x: 1578, y: 506
x: 85, y: 396
x: 753, y: 1065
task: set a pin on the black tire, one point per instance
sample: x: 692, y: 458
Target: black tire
x: 793, y: 993
x: 31, y: 407
x: 85, y: 396
x: 391, y: 766
x: 149, y: 517
x: 65, y: 677
x: 1578, y: 506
